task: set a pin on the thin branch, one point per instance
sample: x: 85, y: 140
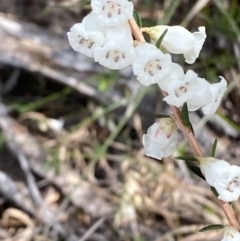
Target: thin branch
x: 137, y: 33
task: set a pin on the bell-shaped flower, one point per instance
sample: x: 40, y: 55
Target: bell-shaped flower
x: 180, y: 91
x: 230, y: 234
x: 225, y: 178
x: 229, y: 186
x: 217, y: 91
x: 115, y: 54
x: 211, y: 168
x: 161, y: 138
x: 202, y: 95
x: 112, y: 13
x: 86, y: 36
x: 151, y: 65
x: 118, y: 51
x: 122, y: 33
x: 176, y: 74
x: 190, y: 88
x: 178, y: 40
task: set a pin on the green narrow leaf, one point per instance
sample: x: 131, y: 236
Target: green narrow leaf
x: 137, y: 18
x: 187, y: 158
x: 157, y: 116
x: 197, y: 171
x: 214, y: 148
x: 146, y: 37
x: 214, y: 191
x: 185, y: 117
x: 158, y: 44
x: 212, y: 227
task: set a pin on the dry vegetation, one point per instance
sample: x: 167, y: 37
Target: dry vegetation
x: 90, y: 179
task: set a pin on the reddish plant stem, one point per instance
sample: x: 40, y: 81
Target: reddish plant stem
x: 230, y: 215
x: 227, y: 208
x: 186, y: 131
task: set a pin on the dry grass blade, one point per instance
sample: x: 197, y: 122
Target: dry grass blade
x: 199, y: 5
x: 91, y: 230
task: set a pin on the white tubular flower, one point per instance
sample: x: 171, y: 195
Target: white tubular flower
x: 161, y: 139
x: 179, y: 40
x: 151, y: 66
x: 84, y: 37
x: 230, y: 234
x: 115, y: 54
x: 217, y: 91
x: 112, y: 12
x: 202, y: 95
x: 180, y: 91
x: 225, y: 178
x: 212, y: 168
x: 122, y: 33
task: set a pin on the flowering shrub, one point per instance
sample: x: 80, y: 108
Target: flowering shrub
x: 106, y: 35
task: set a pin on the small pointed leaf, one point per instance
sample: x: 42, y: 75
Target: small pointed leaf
x: 212, y: 227
x: 157, y: 116
x: 146, y: 37
x: 137, y: 18
x: 158, y: 44
x: 185, y: 117
x: 214, y: 148
x: 197, y: 171
x: 187, y: 158
x: 214, y: 191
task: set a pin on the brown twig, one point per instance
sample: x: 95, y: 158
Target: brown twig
x: 227, y: 209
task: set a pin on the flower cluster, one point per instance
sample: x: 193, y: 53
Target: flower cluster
x: 225, y: 178
x: 105, y: 35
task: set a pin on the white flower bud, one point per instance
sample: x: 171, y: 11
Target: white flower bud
x: 161, y: 138
x: 151, y: 66
x: 230, y: 234
x: 112, y: 13
x: 179, y: 40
